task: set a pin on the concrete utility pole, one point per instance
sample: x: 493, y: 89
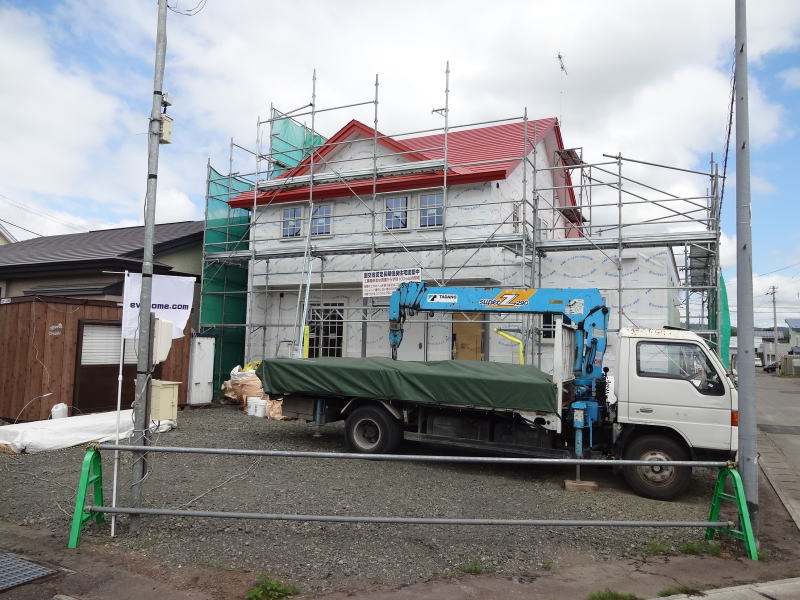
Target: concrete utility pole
x: 144, y: 364
x: 748, y: 448
x: 772, y: 291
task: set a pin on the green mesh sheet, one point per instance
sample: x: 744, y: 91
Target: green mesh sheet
x: 290, y: 143
x: 725, y: 324
x: 223, y: 301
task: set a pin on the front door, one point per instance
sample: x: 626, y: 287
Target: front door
x: 468, y: 336
x: 677, y: 384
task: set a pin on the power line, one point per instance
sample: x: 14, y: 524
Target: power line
x: 20, y: 227
x: 41, y: 214
x: 776, y: 270
x: 197, y: 9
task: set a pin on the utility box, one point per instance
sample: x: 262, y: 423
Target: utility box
x: 164, y: 400
x: 165, y: 136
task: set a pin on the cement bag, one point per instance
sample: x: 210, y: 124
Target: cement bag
x: 227, y: 390
x: 275, y: 409
x: 248, y: 387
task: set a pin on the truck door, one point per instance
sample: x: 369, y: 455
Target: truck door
x: 676, y: 384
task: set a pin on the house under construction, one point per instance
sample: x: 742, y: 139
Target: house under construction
x: 321, y: 229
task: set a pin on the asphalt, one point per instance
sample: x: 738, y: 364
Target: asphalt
x: 779, y: 437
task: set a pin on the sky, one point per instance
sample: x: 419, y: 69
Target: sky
x: 649, y: 80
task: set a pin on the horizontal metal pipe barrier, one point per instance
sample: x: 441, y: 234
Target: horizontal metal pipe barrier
x: 600, y: 462
x: 405, y: 520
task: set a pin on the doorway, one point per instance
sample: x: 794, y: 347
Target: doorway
x: 469, y: 333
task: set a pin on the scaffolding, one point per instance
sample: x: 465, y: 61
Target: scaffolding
x: 614, y: 205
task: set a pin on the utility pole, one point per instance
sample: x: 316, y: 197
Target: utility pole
x: 772, y: 291
x: 144, y: 364
x: 748, y: 448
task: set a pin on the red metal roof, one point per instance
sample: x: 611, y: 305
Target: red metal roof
x: 499, y: 147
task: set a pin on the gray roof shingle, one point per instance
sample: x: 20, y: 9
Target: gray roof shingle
x: 793, y: 323
x: 100, y: 245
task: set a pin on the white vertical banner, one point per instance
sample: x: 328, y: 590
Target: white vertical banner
x: 171, y: 300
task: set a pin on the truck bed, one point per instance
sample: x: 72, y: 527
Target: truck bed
x: 474, y: 384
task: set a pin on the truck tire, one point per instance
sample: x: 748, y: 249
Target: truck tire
x: 659, y: 483
x: 372, y: 430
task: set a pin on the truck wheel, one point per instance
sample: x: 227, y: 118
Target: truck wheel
x: 372, y: 430
x: 659, y: 483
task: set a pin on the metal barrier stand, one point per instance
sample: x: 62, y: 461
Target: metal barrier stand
x: 91, y: 462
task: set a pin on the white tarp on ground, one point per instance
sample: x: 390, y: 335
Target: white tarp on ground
x: 54, y: 434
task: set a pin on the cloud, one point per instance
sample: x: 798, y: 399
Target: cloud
x: 727, y: 251
x: 791, y: 78
x: 77, y: 94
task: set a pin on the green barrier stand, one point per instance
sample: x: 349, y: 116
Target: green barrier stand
x: 91, y: 475
x: 744, y: 534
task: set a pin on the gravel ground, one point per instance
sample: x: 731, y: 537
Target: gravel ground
x: 38, y: 490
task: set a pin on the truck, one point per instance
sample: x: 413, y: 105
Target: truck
x: 672, y: 399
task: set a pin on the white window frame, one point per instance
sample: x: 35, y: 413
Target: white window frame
x: 329, y: 217
x: 386, y: 200
x: 284, y: 220
x: 420, y: 209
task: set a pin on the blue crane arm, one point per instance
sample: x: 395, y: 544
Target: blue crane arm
x: 582, y: 307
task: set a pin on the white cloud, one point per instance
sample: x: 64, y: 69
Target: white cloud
x: 791, y: 78
x: 73, y: 135
x: 727, y: 251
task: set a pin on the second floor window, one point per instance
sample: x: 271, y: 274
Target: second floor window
x: 321, y: 220
x: 292, y: 222
x: 430, y: 210
x: 397, y: 212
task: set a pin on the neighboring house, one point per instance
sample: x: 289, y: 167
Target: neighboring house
x: 60, y: 317
x: 401, y: 212
x: 88, y: 265
x: 5, y: 236
x: 794, y: 332
x: 768, y: 351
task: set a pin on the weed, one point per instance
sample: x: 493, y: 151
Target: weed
x: 680, y: 589
x: 765, y: 555
x: 270, y: 589
x: 608, y: 594
x: 655, y: 549
x: 548, y: 565
x: 473, y: 567
x: 711, y: 548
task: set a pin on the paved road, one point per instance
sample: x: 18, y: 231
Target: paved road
x: 779, y: 436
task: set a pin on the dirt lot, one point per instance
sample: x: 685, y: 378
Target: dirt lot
x: 202, y: 558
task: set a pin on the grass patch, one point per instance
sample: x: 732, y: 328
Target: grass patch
x: 655, y: 549
x: 608, y: 594
x: 268, y: 588
x: 548, y: 565
x: 712, y: 548
x: 473, y: 567
x: 674, y: 590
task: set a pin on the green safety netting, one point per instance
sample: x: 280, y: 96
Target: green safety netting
x: 290, y: 142
x: 223, y: 301
x: 725, y: 324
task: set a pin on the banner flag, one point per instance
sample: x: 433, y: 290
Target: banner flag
x: 171, y: 300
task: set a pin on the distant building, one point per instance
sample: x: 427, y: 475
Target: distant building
x: 794, y: 331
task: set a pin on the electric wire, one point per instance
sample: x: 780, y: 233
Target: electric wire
x: 197, y: 9
x: 42, y: 214
x: 20, y: 227
x: 731, y: 106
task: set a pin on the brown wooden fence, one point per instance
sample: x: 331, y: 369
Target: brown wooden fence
x: 39, y: 352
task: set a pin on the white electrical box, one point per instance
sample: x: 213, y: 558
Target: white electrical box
x: 162, y: 340
x: 166, y: 130
x: 164, y: 400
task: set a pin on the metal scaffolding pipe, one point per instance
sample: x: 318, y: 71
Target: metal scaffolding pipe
x: 600, y: 462
x: 403, y: 520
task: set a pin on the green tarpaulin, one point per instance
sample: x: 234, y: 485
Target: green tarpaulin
x: 452, y: 382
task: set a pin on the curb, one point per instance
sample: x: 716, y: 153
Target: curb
x: 783, y: 589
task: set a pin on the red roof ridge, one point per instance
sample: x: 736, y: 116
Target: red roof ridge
x: 337, y: 140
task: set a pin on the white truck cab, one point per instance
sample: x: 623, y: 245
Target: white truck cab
x: 675, y: 401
